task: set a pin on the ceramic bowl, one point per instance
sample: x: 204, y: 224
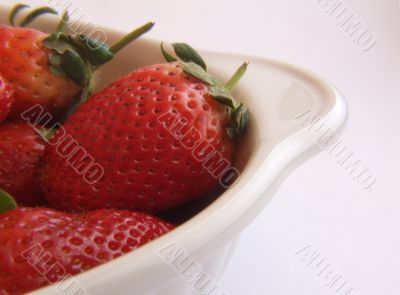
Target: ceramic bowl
x: 283, y: 99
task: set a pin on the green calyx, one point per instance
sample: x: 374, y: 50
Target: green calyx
x: 76, y: 56
x: 70, y: 57
x: 193, y: 64
x: 7, y: 202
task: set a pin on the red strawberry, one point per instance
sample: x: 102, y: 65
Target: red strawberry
x: 6, y: 98
x: 125, y: 129
x: 24, y: 62
x: 50, y: 70
x: 20, y: 151
x: 41, y: 246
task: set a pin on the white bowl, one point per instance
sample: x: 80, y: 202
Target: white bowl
x: 280, y: 96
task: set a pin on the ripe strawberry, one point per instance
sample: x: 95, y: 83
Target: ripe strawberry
x: 20, y: 151
x: 6, y: 98
x: 125, y: 128
x: 42, y: 245
x: 50, y: 70
x: 24, y: 62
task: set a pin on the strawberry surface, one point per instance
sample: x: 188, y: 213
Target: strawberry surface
x: 146, y: 167
x: 24, y: 62
x: 20, y: 151
x: 6, y: 98
x: 39, y: 246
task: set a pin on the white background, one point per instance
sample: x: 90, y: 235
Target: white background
x: 356, y: 231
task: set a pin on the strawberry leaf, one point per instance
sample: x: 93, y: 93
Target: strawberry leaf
x: 217, y: 91
x: 241, y: 118
x: 186, y: 53
x: 239, y: 122
x: 57, y: 71
x: 198, y: 72
x: 7, y: 202
x: 59, y: 42
x: 168, y: 57
x: 97, y: 52
x: 223, y: 96
x: 74, y: 66
x: 34, y: 14
x: 55, y: 65
x: 15, y: 11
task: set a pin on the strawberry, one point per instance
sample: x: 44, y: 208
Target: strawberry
x: 50, y: 69
x: 134, y: 130
x: 43, y: 246
x: 24, y: 62
x: 20, y: 151
x: 6, y: 98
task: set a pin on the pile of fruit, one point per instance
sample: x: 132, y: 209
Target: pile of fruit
x: 84, y: 178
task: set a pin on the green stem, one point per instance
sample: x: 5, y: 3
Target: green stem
x: 131, y: 37
x: 62, y: 25
x: 231, y: 84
